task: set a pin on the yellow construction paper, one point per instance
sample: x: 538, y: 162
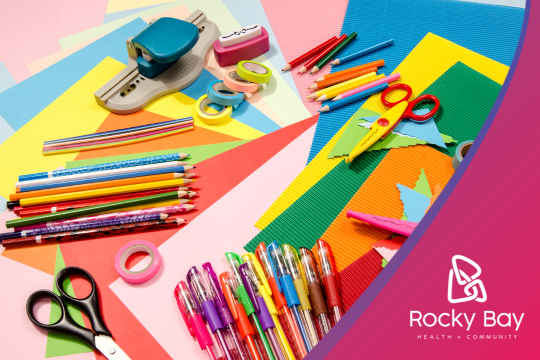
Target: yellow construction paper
x: 431, y: 58
x: 120, y: 5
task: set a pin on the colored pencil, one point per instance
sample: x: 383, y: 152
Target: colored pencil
x: 92, y: 186
x: 325, y: 52
x: 101, y: 179
x: 333, y: 53
x: 309, y: 54
x: 339, y: 79
x: 102, y: 192
x: 339, y: 90
x: 362, y: 53
x: 94, y: 233
x: 132, y: 169
x: 350, y: 99
x: 70, y: 205
x: 387, y: 79
x: 377, y: 64
x: 107, y: 166
x: 104, y: 133
x: 81, y: 226
x: 119, y: 143
x: 173, y: 195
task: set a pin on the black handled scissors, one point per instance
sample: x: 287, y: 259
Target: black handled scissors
x: 99, y: 338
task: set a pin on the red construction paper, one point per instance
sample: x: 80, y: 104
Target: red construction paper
x: 217, y: 176
x: 391, y: 244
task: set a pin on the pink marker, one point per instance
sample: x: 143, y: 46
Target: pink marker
x: 193, y: 319
x: 387, y: 79
x: 398, y: 226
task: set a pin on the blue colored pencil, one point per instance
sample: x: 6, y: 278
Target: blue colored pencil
x: 363, y: 52
x: 106, y: 166
x: 355, y: 97
x: 172, y: 169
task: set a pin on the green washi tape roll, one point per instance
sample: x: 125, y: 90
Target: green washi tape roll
x: 254, y: 72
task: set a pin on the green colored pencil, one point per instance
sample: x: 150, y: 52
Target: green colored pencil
x: 333, y: 53
x: 68, y: 214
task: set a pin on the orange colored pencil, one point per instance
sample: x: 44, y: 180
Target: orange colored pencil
x: 376, y: 64
x: 339, y: 79
x: 97, y: 185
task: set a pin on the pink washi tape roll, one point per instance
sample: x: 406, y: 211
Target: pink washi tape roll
x: 236, y: 83
x: 246, y: 50
x: 137, y: 277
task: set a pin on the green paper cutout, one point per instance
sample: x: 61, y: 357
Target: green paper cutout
x: 352, y: 134
x: 422, y: 185
x: 448, y: 139
x: 197, y: 154
x: 404, y: 217
x: 384, y: 263
x: 59, y: 344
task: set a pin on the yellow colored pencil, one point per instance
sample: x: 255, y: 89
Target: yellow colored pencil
x: 104, y: 192
x: 333, y: 91
x: 321, y: 92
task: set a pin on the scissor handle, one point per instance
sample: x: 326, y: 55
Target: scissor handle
x: 89, y: 304
x: 421, y: 118
x: 407, y: 96
x: 65, y: 324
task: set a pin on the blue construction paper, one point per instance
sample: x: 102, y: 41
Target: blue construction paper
x: 5, y: 130
x: 6, y: 80
x: 245, y: 112
x: 426, y: 131
x: 22, y: 102
x: 122, y: 14
x: 248, y: 12
x: 474, y: 26
x: 414, y: 203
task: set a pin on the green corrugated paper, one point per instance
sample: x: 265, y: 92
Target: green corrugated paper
x: 308, y: 218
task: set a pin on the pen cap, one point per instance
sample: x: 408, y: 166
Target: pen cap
x: 265, y: 262
x: 279, y: 266
x: 243, y: 297
x: 217, y: 294
x: 193, y: 319
x: 244, y: 326
x: 330, y: 277
x: 234, y: 262
x: 299, y: 281
x: 327, y: 261
x: 199, y: 292
x: 314, y: 286
x: 184, y: 301
x: 257, y: 277
x: 251, y: 288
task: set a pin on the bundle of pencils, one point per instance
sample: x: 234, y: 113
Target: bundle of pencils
x: 120, y: 137
x: 100, y: 200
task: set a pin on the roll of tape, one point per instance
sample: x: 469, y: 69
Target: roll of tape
x: 234, y: 81
x: 461, y: 151
x: 254, y: 72
x: 137, y: 277
x: 221, y: 94
x: 209, y: 118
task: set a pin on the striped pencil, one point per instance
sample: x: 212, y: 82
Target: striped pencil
x: 377, y: 64
x: 107, y: 166
x: 82, y: 226
x: 309, y: 54
x: 94, y: 233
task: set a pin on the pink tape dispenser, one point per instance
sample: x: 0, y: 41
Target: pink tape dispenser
x: 242, y: 44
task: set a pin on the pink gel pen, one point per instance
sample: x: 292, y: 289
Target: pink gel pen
x: 193, y: 319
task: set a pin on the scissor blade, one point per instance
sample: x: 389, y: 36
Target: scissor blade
x: 106, y: 345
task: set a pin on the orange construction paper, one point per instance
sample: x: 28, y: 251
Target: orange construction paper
x: 379, y: 195
x: 41, y: 257
x: 197, y: 136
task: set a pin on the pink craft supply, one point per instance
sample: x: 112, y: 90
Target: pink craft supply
x: 247, y: 50
x: 235, y: 82
x: 398, y: 226
x: 387, y: 79
x: 140, y: 276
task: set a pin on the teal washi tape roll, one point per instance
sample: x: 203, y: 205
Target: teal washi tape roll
x: 460, y: 153
x: 221, y: 94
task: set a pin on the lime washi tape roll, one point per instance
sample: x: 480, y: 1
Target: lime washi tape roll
x: 235, y: 82
x: 461, y: 151
x: 254, y: 72
x: 221, y: 94
x: 207, y: 117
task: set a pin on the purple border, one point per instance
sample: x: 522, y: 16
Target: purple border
x: 329, y: 341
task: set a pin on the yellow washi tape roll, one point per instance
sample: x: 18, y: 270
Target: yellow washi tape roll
x: 254, y: 72
x: 210, y: 118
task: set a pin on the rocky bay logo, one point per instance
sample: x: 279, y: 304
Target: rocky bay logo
x: 473, y: 285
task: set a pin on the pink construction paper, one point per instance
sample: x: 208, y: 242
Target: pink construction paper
x: 225, y: 226
x: 301, y: 25
x: 35, y: 25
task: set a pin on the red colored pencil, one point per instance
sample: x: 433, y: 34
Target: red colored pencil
x: 76, y: 204
x: 316, y: 59
x: 309, y: 54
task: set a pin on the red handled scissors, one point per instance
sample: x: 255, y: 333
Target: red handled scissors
x: 388, y: 121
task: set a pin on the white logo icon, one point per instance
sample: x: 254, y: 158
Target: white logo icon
x: 471, y: 283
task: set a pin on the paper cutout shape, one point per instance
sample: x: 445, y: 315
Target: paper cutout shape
x: 414, y: 203
x: 426, y: 131
x: 384, y: 263
x: 388, y: 248
x: 422, y: 185
x: 366, y: 125
x: 436, y: 192
x: 59, y: 344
